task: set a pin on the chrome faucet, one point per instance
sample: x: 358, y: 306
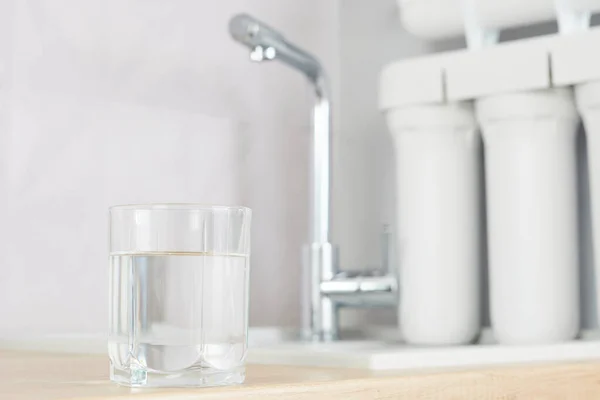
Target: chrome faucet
x: 330, y: 288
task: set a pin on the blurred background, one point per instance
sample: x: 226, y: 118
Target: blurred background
x: 118, y: 102
x: 113, y: 102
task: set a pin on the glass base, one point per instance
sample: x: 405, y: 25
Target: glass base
x: 202, y: 377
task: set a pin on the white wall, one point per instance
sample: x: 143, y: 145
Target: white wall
x: 364, y: 192
x: 370, y: 37
x: 107, y: 102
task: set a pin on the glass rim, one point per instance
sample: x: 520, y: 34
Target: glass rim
x: 177, y: 207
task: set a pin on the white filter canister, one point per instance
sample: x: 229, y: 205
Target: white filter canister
x: 530, y: 164
x: 438, y: 202
x: 588, y: 103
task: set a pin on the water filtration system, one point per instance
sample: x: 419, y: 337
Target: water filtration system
x: 525, y: 99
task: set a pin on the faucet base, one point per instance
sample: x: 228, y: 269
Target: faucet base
x: 323, y: 311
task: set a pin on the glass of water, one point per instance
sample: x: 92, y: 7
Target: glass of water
x: 178, y: 294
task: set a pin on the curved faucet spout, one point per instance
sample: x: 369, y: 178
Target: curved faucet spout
x: 265, y: 43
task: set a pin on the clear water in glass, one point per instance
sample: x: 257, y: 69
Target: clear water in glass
x: 178, y: 319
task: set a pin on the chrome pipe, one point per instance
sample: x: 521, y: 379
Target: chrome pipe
x: 268, y: 44
x: 327, y: 289
x: 362, y: 291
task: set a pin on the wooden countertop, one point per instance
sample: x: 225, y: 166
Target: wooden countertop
x: 43, y: 376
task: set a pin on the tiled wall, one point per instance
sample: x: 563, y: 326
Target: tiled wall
x: 107, y: 102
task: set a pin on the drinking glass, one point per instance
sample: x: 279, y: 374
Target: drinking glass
x: 178, y: 290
